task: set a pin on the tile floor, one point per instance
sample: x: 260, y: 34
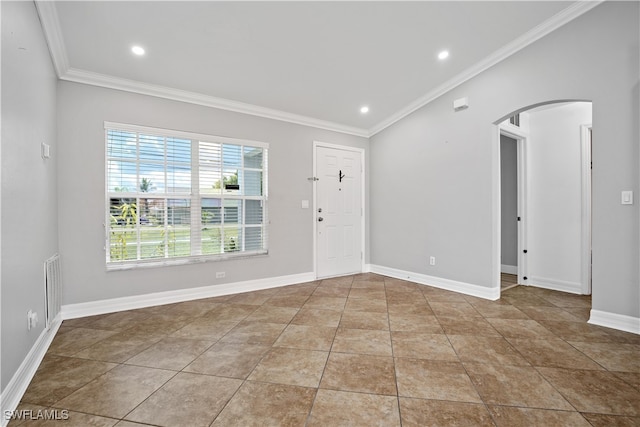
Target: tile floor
x: 362, y: 350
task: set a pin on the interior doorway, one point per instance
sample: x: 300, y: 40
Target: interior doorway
x: 553, y: 221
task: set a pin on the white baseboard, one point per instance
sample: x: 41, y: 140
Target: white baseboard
x: 72, y: 311
x: 438, y: 282
x: 555, y: 285
x: 18, y: 384
x: 615, y: 321
x: 509, y: 269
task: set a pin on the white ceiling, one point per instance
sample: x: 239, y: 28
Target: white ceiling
x: 307, y: 62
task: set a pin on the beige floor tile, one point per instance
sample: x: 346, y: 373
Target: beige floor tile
x: 362, y: 341
x: 230, y: 312
x: 434, y: 379
x: 205, y: 329
x: 515, y: 386
x: 118, y: 321
x: 56, y: 417
x: 117, y: 392
x: 368, y: 293
x: 303, y: 289
x: 475, y: 326
x: 520, y: 328
x: 254, y: 333
x: 187, y: 399
x: 365, y: 320
x: 594, y: 391
x: 325, y: 303
x: 272, y: 314
x: 549, y: 313
x: 577, y: 331
x: 250, y: 298
x: 228, y: 360
x: 120, y: 347
x: 291, y: 366
x: 359, y: 373
x: 395, y: 297
x: 506, y: 416
x: 307, y: 337
x: 341, y: 408
x: 170, y: 353
x: 410, y: 307
x: 499, y: 311
x: 57, y: 377
x: 295, y: 301
x: 602, y: 420
x: 425, y: 323
x: 331, y: 291
x: 419, y: 345
x: 454, y: 309
x: 491, y: 350
x: 613, y: 356
x: 366, y: 304
x: 73, y: 341
x: 552, y: 352
x: 437, y: 413
x: 631, y: 378
x: 317, y: 317
x: 262, y: 404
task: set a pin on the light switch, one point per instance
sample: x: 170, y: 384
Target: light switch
x: 305, y: 204
x: 627, y: 197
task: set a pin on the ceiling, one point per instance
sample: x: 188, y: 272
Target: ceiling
x: 314, y: 63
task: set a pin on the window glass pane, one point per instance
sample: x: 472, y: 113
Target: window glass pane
x: 151, y: 178
x: 178, y: 150
x: 230, y: 181
x: 123, y: 233
x: 179, y: 227
x: 253, y: 183
x: 151, y: 148
x: 231, y: 155
x: 232, y: 211
x: 253, y: 238
x: 211, y: 240
x: 121, y: 144
x: 121, y: 176
x: 253, y: 157
x: 178, y: 179
x: 232, y: 239
x: 210, y: 168
x: 211, y: 212
x: 253, y: 212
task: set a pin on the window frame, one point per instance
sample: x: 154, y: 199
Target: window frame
x: 194, y: 196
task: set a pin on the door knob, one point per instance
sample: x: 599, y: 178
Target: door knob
x: 320, y: 219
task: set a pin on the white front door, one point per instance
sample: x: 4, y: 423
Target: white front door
x: 338, y: 211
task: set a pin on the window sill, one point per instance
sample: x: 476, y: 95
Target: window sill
x: 170, y: 262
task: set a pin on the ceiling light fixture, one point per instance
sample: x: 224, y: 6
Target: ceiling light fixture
x: 443, y: 55
x: 364, y: 110
x: 138, y: 50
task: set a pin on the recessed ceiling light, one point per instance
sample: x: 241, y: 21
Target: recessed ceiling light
x: 138, y: 50
x: 443, y: 55
x: 364, y: 110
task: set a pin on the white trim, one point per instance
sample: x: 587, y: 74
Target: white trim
x: 13, y: 392
x: 615, y: 321
x: 53, y: 35
x: 72, y: 311
x: 563, y: 17
x: 585, y: 153
x: 555, y: 285
x: 317, y: 144
x: 439, y: 282
x: 509, y: 269
x: 103, y: 80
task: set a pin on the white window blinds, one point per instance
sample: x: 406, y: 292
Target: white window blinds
x: 176, y: 197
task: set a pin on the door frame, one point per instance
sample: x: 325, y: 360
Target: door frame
x: 520, y: 136
x: 586, y: 177
x: 314, y: 180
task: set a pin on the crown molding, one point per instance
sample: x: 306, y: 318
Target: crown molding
x: 561, y: 18
x: 52, y: 33
x: 106, y: 81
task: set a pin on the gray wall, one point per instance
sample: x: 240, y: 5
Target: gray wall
x: 82, y: 111
x: 29, y: 196
x: 509, y: 201
x: 441, y: 165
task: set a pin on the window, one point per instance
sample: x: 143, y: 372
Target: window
x: 175, y: 197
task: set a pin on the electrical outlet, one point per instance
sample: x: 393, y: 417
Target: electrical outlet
x: 432, y: 260
x: 220, y: 274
